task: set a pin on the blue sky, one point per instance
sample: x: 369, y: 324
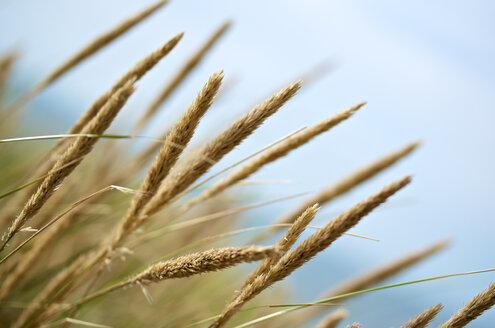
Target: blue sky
x: 425, y: 68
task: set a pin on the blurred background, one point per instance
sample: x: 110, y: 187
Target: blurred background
x: 425, y: 68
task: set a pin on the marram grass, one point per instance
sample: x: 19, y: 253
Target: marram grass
x: 76, y: 252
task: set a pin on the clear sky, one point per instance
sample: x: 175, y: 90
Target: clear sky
x: 426, y: 69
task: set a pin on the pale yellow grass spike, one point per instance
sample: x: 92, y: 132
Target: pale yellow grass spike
x: 181, y: 134
x: 185, y: 207
x: 47, y: 292
x: 272, y: 155
x: 18, y: 202
x: 181, y: 75
x: 333, y: 230
x: 77, y: 150
x: 473, y: 309
x: 371, y: 278
x: 196, y: 166
x: 136, y: 72
x: 333, y: 319
x: 308, y: 248
x: 349, y: 182
x: 98, y: 43
x: 139, y: 160
x: 91, y: 48
x: 422, y: 319
x: 132, y: 166
x: 314, y: 73
x: 168, y: 155
x: 206, y: 261
x: 192, y: 264
x: 285, y: 243
x: 141, y: 157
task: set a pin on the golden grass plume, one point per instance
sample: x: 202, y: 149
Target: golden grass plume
x: 71, y: 265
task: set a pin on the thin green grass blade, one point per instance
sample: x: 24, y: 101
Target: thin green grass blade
x: 295, y: 307
x: 8, y: 193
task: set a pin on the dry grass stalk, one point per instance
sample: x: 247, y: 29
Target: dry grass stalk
x: 193, y: 264
x: 100, y: 42
x: 211, y: 260
x: 371, y: 278
x: 285, y: 243
x: 196, y: 166
x: 139, y: 160
x: 351, y: 181
x: 22, y: 196
x: 136, y: 72
x: 90, y: 49
x: 118, y: 178
x: 48, y: 292
x: 422, y: 320
x: 181, y: 134
x: 272, y: 155
x: 473, y: 309
x: 160, y: 187
x: 333, y: 230
x: 79, y: 148
x: 309, y: 248
x: 185, y: 207
x: 168, y: 155
x: 181, y: 75
x: 217, y: 148
x: 333, y: 319
x: 127, y: 170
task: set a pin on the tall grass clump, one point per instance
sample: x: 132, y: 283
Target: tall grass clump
x: 99, y: 236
